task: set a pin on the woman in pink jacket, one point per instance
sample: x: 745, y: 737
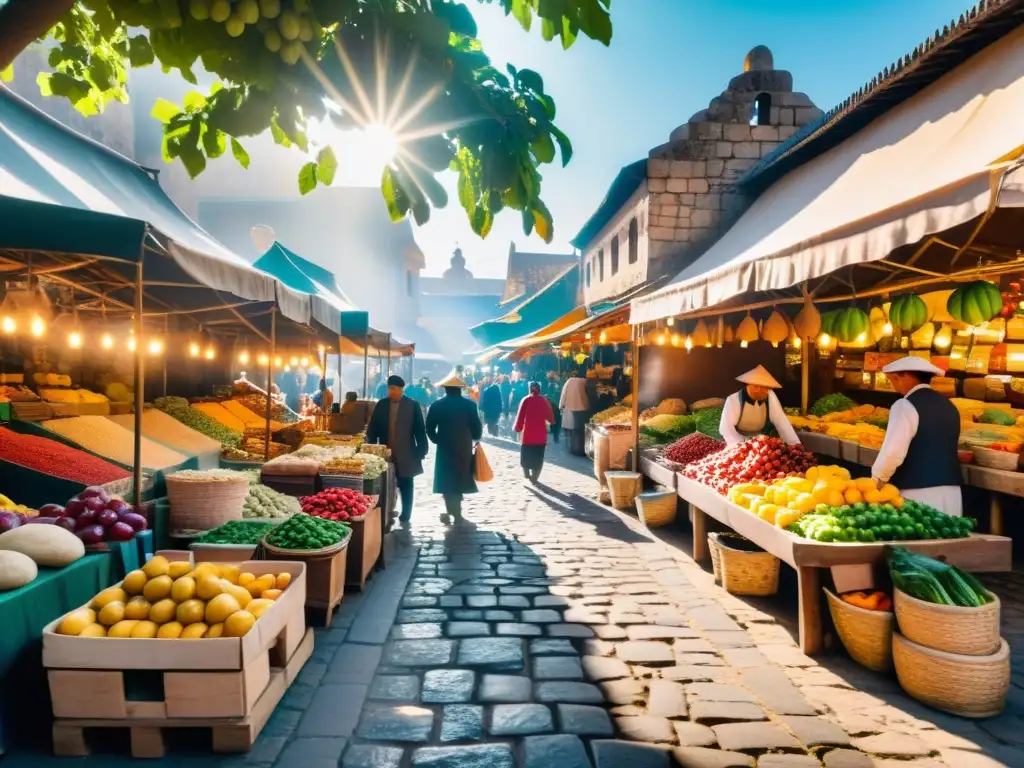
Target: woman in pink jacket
x: 535, y: 413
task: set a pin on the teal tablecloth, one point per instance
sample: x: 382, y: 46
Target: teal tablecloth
x: 25, y: 711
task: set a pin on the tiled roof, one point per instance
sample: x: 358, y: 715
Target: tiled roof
x: 941, y: 52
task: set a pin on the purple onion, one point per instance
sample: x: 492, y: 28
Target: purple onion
x: 135, y: 520
x: 51, y: 510
x: 120, y: 532
x: 91, y: 534
x: 75, y: 507
x: 106, y: 517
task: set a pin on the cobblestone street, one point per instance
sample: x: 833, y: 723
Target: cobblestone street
x: 550, y: 631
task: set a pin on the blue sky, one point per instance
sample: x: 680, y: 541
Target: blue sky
x: 667, y: 60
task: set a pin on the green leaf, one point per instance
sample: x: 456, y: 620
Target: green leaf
x: 140, y: 52
x: 523, y: 13
x: 214, y: 142
x: 548, y: 29
x: 569, y: 32
x: 307, y: 178
x: 527, y: 223
x: 163, y: 110
x: 191, y: 156
x: 326, y: 166
x: 7, y: 74
x: 239, y: 152
x: 280, y: 137
x: 543, y: 148
x: 433, y: 190
x: 194, y: 101
x: 530, y: 80
x: 564, y: 145
x: 101, y: 73
x: 595, y: 21
x: 542, y: 221
x: 394, y: 196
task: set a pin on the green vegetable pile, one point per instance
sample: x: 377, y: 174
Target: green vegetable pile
x: 707, y: 421
x: 236, y: 532
x: 307, y: 532
x: 862, y: 522
x: 266, y: 502
x: 831, y: 404
x: 997, y: 416
x: 667, y: 429
x: 935, y: 582
x: 179, y: 408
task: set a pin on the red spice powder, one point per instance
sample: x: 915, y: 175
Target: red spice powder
x: 56, y: 459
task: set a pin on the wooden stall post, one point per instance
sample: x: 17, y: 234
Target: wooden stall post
x: 389, y: 354
x: 805, y: 375
x: 341, y: 381
x: 270, y: 379
x: 366, y: 363
x: 140, y: 379
x: 166, y: 349
x: 635, y: 399
x: 809, y: 609
x: 700, y: 533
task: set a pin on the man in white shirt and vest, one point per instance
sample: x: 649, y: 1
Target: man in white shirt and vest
x: 919, y: 453
x: 747, y: 413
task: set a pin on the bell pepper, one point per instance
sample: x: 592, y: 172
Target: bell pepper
x: 872, y: 601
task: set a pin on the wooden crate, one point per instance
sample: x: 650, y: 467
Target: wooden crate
x: 325, y: 579
x: 364, y: 549
x: 228, y: 734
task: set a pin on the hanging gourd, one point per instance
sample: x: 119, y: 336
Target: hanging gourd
x: 908, y: 312
x: 975, y: 303
x: 808, y: 320
x: 747, y: 330
x: 729, y: 335
x: 776, y: 329
x: 851, y: 325
x: 700, y: 336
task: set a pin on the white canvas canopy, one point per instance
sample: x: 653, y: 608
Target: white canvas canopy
x: 941, y: 158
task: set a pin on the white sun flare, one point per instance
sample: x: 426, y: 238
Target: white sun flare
x: 362, y: 153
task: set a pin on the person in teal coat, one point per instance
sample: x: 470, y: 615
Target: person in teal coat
x: 453, y: 424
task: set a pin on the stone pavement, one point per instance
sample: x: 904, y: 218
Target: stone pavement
x: 550, y: 631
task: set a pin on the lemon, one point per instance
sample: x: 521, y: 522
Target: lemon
x: 190, y: 612
x: 282, y: 580
x: 263, y: 582
x: 206, y: 568
x: 271, y: 594
x: 137, y: 608
x: 178, y: 569
x: 170, y: 630
x: 241, y: 594
x: 246, y: 578
x: 193, y: 631
x: 163, y: 611
x: 94, y: 630
x: 258, y: 606
x: 145, y: 629
x: 229, y: 572
x: 222, y: 606
x: 208, y: 587
x: 215, y: 631
x: 183, y: 589
x: 238, y: 623
x: 157, y: 588
x: 111, y: 613
x: 122, y: 628
x: 134, y: 582
x: 109, y: 595
x: 156, y: 566
x: 76, y: 622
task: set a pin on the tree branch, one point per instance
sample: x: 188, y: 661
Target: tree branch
x: 24, y: 21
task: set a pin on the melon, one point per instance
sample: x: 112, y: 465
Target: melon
x: 828, y: 321
x: 908, y: 312
x: 48, y: 545
x: 16, y: 570
x: 849, y: 324
x: 975, y: 303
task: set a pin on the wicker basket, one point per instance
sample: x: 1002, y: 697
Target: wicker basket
x: 623, y: 487
x: 967, y: 686
x: 200, y: 505
x: 602, y: 454
x: 716, y: 559
x: 657, y: 508
x: 744, y: 570
x: 986, y: 457
x: 949, y: 628
x: 866, y: 635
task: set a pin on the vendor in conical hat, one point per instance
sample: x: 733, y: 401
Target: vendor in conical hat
x: 748, y: 412
x: 919, y: 453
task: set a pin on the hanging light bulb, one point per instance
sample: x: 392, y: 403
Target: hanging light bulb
x: 193, y: 349
x: 887, y: 329
x: 670, y: 322
x: 156, y: 347
x: 797, y: 343
x: 304, y: 362
x: 243, y: 357
x: 743, y: 345
x: 8, y: 325
x: 131, y: 343
x: 278, y: 362
x: 107, y: 341
x: 708, y: 345
x: 862, y: 337
x: 75, y: 340
x: 38, y: 327
x: 293, y: 361
x: 210, y: 353
x: 943, y: 338
x: 824, y: 340
x: 587, y: 335
x: 688, y: 343
x: 603, y: 337
x: 287, y: 368
x: 263, y: 359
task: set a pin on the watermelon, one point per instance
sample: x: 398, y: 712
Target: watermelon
x: 849, y: 324
x: 975, y: 303
x: 908, y: 312
x: 828, y: 321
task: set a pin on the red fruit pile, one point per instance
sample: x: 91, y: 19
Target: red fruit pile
x: 691, y: 448
x: 761, y: 458
x: 340, y: 504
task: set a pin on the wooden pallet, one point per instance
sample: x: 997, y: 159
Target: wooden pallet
x: 227, y: 734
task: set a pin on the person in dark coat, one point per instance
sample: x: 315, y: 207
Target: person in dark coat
x: 453, y: 424
x: 397, y: 422
x: 490, y: 407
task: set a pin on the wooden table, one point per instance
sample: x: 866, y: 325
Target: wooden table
x: 659, y: 473
x: 980, y: 553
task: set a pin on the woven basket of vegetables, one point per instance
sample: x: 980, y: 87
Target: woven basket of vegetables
x: 865, y: 633
x: 967, y: 686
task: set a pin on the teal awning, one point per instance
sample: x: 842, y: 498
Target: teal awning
x: 533, y: 313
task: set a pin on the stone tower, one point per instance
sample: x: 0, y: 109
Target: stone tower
x: 457, y: 270
x: 692, y: 179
